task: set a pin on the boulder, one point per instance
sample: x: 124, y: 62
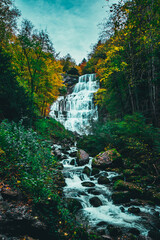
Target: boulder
x: 87, y: 171
x: 72, y: 162
x: 82, y: 157
x: 103, y: 180
x: 134, y: 210
x: 73, y: 154
x: 94, y: 192
x: 95, y: 202
x: 121, y: 197
x: 88, y: 184
x: 95, y: 171
x: 110, y: 158
x: 10, y: 194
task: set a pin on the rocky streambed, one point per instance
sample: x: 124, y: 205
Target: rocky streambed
x: 100, y: 197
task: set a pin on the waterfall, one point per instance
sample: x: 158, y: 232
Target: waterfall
x: 77, y: 110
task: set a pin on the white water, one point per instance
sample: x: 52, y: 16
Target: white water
x: 77, y: 110
x: 108, y: 212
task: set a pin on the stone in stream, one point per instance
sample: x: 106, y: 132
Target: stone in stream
x: 72, y: 162
x: 87, y: 171
x: 121, y: 197
x: 94, y: 192
x: 103, y: 180
x: 82, y: 157
x: 73, y: 154
x: 95, y: 202
x: 95, y: 171
x: 88, y: 184
x: 134, y: 210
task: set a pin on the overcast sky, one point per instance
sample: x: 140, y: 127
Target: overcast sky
x: 71, y: 24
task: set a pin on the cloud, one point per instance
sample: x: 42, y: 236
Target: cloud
x: 71, y: 24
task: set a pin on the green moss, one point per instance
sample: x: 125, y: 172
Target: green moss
x: 134, y: 189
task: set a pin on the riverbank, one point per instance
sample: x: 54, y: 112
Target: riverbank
x: 31, y: 171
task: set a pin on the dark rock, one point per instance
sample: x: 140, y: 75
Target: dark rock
x: 73, y: 154
x: 72, y: 162
x: 95, y: 171
x: 134, y: 231
x: 114, y: 231
x: 57, y: 153
x: 121, y: 197
x: 9, y: 194
x: 134, y: 210
x: 82, y: 157
x: 103, y: 180
x: 95, y: 202
x: 122, y: 209
x: 87, y: 171
x: 73, y: 205
x: 94, y: 192
x: 155, y: 235
x: 102, y: 223
x: 88, y: 184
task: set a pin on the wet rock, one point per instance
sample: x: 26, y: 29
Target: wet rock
x: 110, y: 158
x: 95, y: 171
x: 73, y: 205
x: 103, y: 180
x: 94, y: 192
x: 72, y: 162
x: 82, y: 157
x: 88, y: 184
x: 134, y: 231
x: 57, y: 153
x: 9, y: 194
x: 87, y: 171
x: 73, y: 154
x: 114, y: 231
x: 102, y: 223
x: 134, y: 210
x: 121, y: 197
x: 95, y: 202
x: 155, y: 235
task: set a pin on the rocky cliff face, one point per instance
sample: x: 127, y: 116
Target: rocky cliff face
x: 70, y: 81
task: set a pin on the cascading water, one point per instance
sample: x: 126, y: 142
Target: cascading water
x: 108, y: 213
x: 77, y: 110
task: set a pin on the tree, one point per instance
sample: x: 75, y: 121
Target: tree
x: 39, y: 71
x: 8, y: 17
x: 14, y: 101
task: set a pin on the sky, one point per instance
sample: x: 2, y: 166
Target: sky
x: 72, y: 25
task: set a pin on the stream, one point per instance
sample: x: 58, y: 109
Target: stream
x: 99, y: 217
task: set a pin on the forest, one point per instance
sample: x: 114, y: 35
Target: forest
x: 126, y: 61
